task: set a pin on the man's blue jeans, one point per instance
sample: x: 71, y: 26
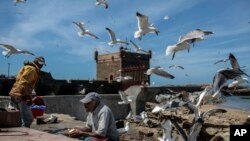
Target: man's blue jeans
x: 25, y: 112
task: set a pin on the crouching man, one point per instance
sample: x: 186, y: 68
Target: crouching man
x: 100, y: 124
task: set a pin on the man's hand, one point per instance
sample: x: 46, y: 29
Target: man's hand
x: 74, y: 132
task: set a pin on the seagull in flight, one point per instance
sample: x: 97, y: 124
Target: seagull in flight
x: 237, y: 82
x: 176, y: 66
x: 166, y: 126
x: 177, y: 47
x: 195, y: 36
x: 138, y: 49
x: 221, y: 77
x: 102, y: 2
x: 83, y: 30
x: 144, y: 27
x: 199, y: 119
x: 125, y: 99
x: 222, y: 60
x: 19, y: 1
x: 9, y: 50
x: 159, y: 71
x: 123, y: 78
x: 114, y: 40
x: 234, y: 64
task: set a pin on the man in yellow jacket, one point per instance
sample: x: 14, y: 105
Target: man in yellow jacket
x: 21, y: 92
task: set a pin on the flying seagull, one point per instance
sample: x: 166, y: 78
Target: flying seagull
x: 9, y: 50
x: 177, y: 47
x: 102, y: 2
x: 113, y: 38
x: 199, y: 119
x: 205, y: 93
x: 166, y: 125
x: 138, y: 49
x: 221, y: 77
x: 123, y: 78
x: 168, y: 106
x: 237, y: 82
x: 83, y: 30
x: 198, y: 122
x: 144, y: 27
x: 159, y: 71
x: 19, y: 1
x: 176, y: 66
x: 194, y: 36
x: 234, y: 64
x: 222, y: 60
x: 125, y: 99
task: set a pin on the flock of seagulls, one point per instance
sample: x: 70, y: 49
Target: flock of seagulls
x: 221, y: 79
x: 171, y: 103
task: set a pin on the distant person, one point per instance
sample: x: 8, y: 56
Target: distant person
x: 21, y: 92
x: 100, y: 124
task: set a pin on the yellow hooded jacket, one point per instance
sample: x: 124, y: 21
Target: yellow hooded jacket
x: 25, y: 81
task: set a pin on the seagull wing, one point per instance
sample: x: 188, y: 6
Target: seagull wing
x: 171, y: 66
x: 111, y: 34
x: 219, y: 61
x: 149, y: 71
x: 219, y: 81
x: 163, y: 73
x: 233, y: 61
x: 167, y: 130
x: 212, y: 111
x: 194, y: 109
x: 26, y: 52
x: 123, y: 96
x: 181, y: 67
x: 8, y: 47
x: 137, y: 47
x: 142, y: 20
x: 92, y: 35
x: 80, y: 25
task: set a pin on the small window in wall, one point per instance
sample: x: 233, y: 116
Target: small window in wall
x: 111, y: 78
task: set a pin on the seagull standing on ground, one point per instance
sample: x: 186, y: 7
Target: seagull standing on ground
x: 113, y: 38
x: 102, y: 2
x: 144, y: 27
x: 9, y: 50
x: 159, y: 71
x: 84, y: 31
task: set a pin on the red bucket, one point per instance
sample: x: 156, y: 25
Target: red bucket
x: 37, y: 112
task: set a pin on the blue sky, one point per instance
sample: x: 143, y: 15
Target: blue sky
x: 45, y: 28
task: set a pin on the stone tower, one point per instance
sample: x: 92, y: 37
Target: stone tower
x: 123, y: 63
